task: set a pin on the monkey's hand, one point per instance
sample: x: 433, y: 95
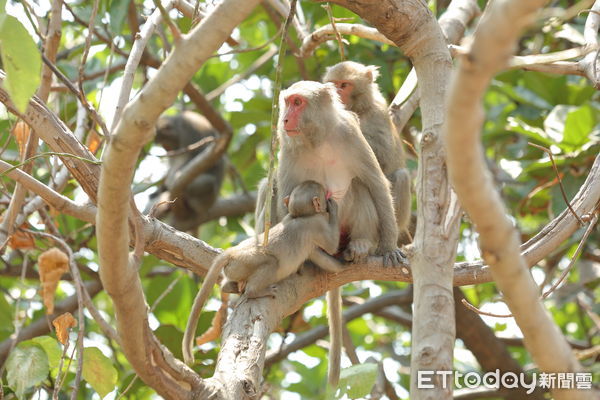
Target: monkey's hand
x: 357, y: 250
x: 394, y: 258
x: 332, y: 206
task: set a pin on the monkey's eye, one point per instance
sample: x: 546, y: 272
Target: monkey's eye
x: 344, y: 85
x: 297, y: 101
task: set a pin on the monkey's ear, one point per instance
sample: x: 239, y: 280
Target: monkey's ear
x: 373, y: 72
x: 317, y: 204
x: 286, y: 201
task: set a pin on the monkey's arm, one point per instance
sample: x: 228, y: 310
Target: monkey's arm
x: 330, y: 237
x: 400, y: 181
x: 372, y: 177
x: 325, y: 261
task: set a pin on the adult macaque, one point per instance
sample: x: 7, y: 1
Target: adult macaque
x: 360, y: 93
x: 180, y: 132
x: 322, y: 141
x: 309, y: 230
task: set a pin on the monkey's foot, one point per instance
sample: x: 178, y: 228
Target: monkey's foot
x: 357, y: 250
x: 271, y: 291
x: 394, y: 258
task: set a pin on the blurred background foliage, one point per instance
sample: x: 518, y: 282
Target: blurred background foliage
x: 560, y: 113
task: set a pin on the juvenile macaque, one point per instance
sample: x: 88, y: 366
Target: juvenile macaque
x: 177, y: 133
x: 360, y: 93
x: 322, y: 141
x: 309, y: 230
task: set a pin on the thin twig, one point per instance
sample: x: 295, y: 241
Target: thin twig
x: 127, y: 388
x: 478, y: 311
x: 189, y: 148
x: 90, y: 109
x: 274, y: 118
x: 168, y: 290
x: 566, y: 271
x: 338, y: 37
x: 88, y: 44
x: 60, y: 380
x: 79, y: 287
x: 562, y: 189
x: 46, y: 154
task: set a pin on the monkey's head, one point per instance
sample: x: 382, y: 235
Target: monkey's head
x: 166, y: 133
x: 353, y: 82
x: 174, y: 132
x: 305, y: 107
x: 308, y: 198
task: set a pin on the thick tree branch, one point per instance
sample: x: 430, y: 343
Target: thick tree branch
x: 492, y: 46
x: 412, y: 26
x: 154, y: 363
x: 453, y: 24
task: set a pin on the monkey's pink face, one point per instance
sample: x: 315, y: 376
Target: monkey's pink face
x: 294, y: 106
x: 344, y: 89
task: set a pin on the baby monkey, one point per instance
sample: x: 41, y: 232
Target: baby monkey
x: 308, y: 231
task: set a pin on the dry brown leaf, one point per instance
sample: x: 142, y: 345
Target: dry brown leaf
x: 62, y: 324
x: 52, y: 264
x: 21, y: 132
x: 93, y: 141
x: 21, y: 240
x: 216, y: 326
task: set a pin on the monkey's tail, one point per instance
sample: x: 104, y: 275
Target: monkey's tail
x: 190, y: 329
x: 334, y: 311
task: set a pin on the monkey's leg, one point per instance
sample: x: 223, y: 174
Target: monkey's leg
x: 400, y: 185
x: 260, y: 283
x: 359, y: 209
x: 334, y: 311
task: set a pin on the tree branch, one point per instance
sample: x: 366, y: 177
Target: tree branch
x: 153, y: 362
x: 493, y: 42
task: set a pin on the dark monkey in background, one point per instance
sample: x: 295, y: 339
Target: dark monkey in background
x: 360, y: 93
x: 176, y: 133
x: 309, y: 230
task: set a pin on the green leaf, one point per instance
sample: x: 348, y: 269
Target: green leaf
x: 358, y: 380
x: 117, y: 12
x: 6, y: 317
x: 579, y: 125
x: 26, y: 367
x: 21, y: 60
x: 99, y: 371
x: 52, y: 349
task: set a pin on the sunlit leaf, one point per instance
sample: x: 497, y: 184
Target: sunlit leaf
x: 98, y: 371
x: 357, y: 381
x: 579, y: 125
x: 26, y: 367
x: 52, y: 349
x: 21, y: 61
